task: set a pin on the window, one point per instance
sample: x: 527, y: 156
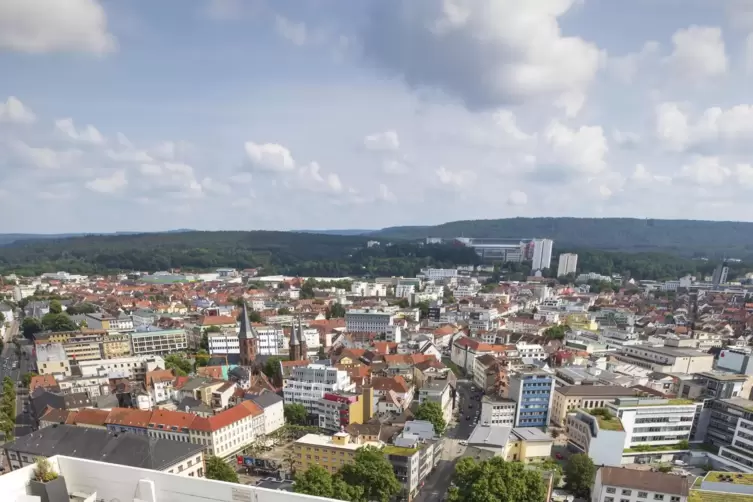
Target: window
x: 642, y: 495
x: 658, y: 496
x: 674, y: 498
x: 624, y: 500
x: 608, y: 499
x: 611, y: 490
x: 627, y: 492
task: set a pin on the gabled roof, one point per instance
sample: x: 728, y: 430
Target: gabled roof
x: 129, y: 417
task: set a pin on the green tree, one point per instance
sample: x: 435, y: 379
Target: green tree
x: 580, y: 472
x: 81, y: 308
x: 26, y: 378
x: 423, y: 308
x: 371, y: 470
x: 201, y: 358
x: 220, y: 470
x: 254, y: 316
x: 58, y: 322
x: 2, y: 318
x: 314, y: 481
x: 30, y: 326
x: 335, y: 310
x: 295, y: 414
x: 495, y: 480
x: 56, y: 307
x: 179, y: 365
x: 283, y: 311
x: 272, y: 369
x: 432, y: 412
x: 403, y: 303
x: 557, y: 332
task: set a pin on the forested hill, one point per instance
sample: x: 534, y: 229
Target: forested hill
x: 679, y: 237
x: 275, y: 252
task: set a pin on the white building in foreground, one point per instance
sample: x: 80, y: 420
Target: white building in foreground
x: 90, y: 481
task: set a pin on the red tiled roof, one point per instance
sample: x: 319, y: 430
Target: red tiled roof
x: 129, y: 417
x: 91, y: 416
x: 41, y: 381
x: 216, y: 320
x: 171, y: 419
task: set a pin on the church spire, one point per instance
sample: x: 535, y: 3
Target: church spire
x: 247, y: 331
x: 298, y: 349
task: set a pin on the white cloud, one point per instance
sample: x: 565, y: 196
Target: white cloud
x: 705, y: 171
x: 571, y: 102
x: 88, y: 134
x: 123, y: 140
x: 642, y: 175
x: 508, y: 125
x: 150, y: 169
x: 454, y: 179
x: 744, y: 174
x: 385, y: 194
x: 717, y: 127
x: 672, y: 127
x: 698, y: 53
x: 132, y: 156
x: 625, y: 68
x: 626, y: 139
x: 387, y: 141
x: 108, y: 184
x: 14, y: 111
x: 582, y: 149
x: 242, y: 178
x: 269, y: 157
x: 517, y: 198
x: 40, y: 26
x: 44, y: 158
x: 216, y: 187
x: 164, y: 150
x: 312, y: 179
x: 176, y: 178
x: 293, y: 31
x: 605, y: 192
x: 487, y: 52
x: 392, y: 166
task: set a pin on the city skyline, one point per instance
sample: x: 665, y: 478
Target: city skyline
x: 175, y: 115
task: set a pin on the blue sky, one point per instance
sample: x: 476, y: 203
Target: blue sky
x: 250, y: 114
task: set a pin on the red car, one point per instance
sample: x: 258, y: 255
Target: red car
x: 558, y: 456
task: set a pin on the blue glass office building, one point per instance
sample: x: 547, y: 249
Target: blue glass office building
x: 532, y: 389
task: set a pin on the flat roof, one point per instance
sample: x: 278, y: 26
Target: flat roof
x: 672, y: 351
x: 531, y: 434
x: 596, y: 391
x: 324, y: 440
x: 490, y: 436
x: 723, y: 375
x: 740, y: 402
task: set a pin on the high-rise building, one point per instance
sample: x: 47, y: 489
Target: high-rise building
x: 720, y: 274
x: 542, y: 254
x: 532, y: 389
x: 567, y: 264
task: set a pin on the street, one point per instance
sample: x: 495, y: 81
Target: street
x: 11, y: 366
x: 437, y: 484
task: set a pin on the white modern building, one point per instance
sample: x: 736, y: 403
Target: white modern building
x: 531, y: 351
x: 359, y: 288
x: 308, y: 384
x: 368, y: 321
x: 90, y: 480
x: 124, y: 367
x: 497, y: 411
x: 439, y: 274
x: 650, y: 422
x: 223, y: 343
x: 158, y: 341
x: 568, y: 263
x: 52, y: 360
x: 542, y: 254
x: 599, y: 438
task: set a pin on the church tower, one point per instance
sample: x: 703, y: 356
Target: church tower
x: 298, y: 349
x: 247, y: 339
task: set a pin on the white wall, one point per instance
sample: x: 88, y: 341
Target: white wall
x: 112, y: 482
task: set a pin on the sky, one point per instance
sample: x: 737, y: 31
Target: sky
x: 320, y: 114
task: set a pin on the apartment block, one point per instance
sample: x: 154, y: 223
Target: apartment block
x: 572, y: 397
x: 336, y: 410
x: 158, y: 342
x: 497, y: 411
x: 613, y: 484
x: 372, y: 321
x: 568, y: 263
x: 730, y: 430
x: 308, y: 384
x: 329, y: 452
x: 666, y: 359
x: 134, y: 367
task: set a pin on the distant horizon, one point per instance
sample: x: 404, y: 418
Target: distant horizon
x: 352, y: 230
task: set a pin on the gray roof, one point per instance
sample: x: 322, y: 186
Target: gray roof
x: 595, y: 391
x: 133, y: 450
x: 490, y: 436
x: 266, y: 399
x: 531, y: 434
x: 247, y: 331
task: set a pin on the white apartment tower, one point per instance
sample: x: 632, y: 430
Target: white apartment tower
x: 542, y: 254
x: 567, y: 265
